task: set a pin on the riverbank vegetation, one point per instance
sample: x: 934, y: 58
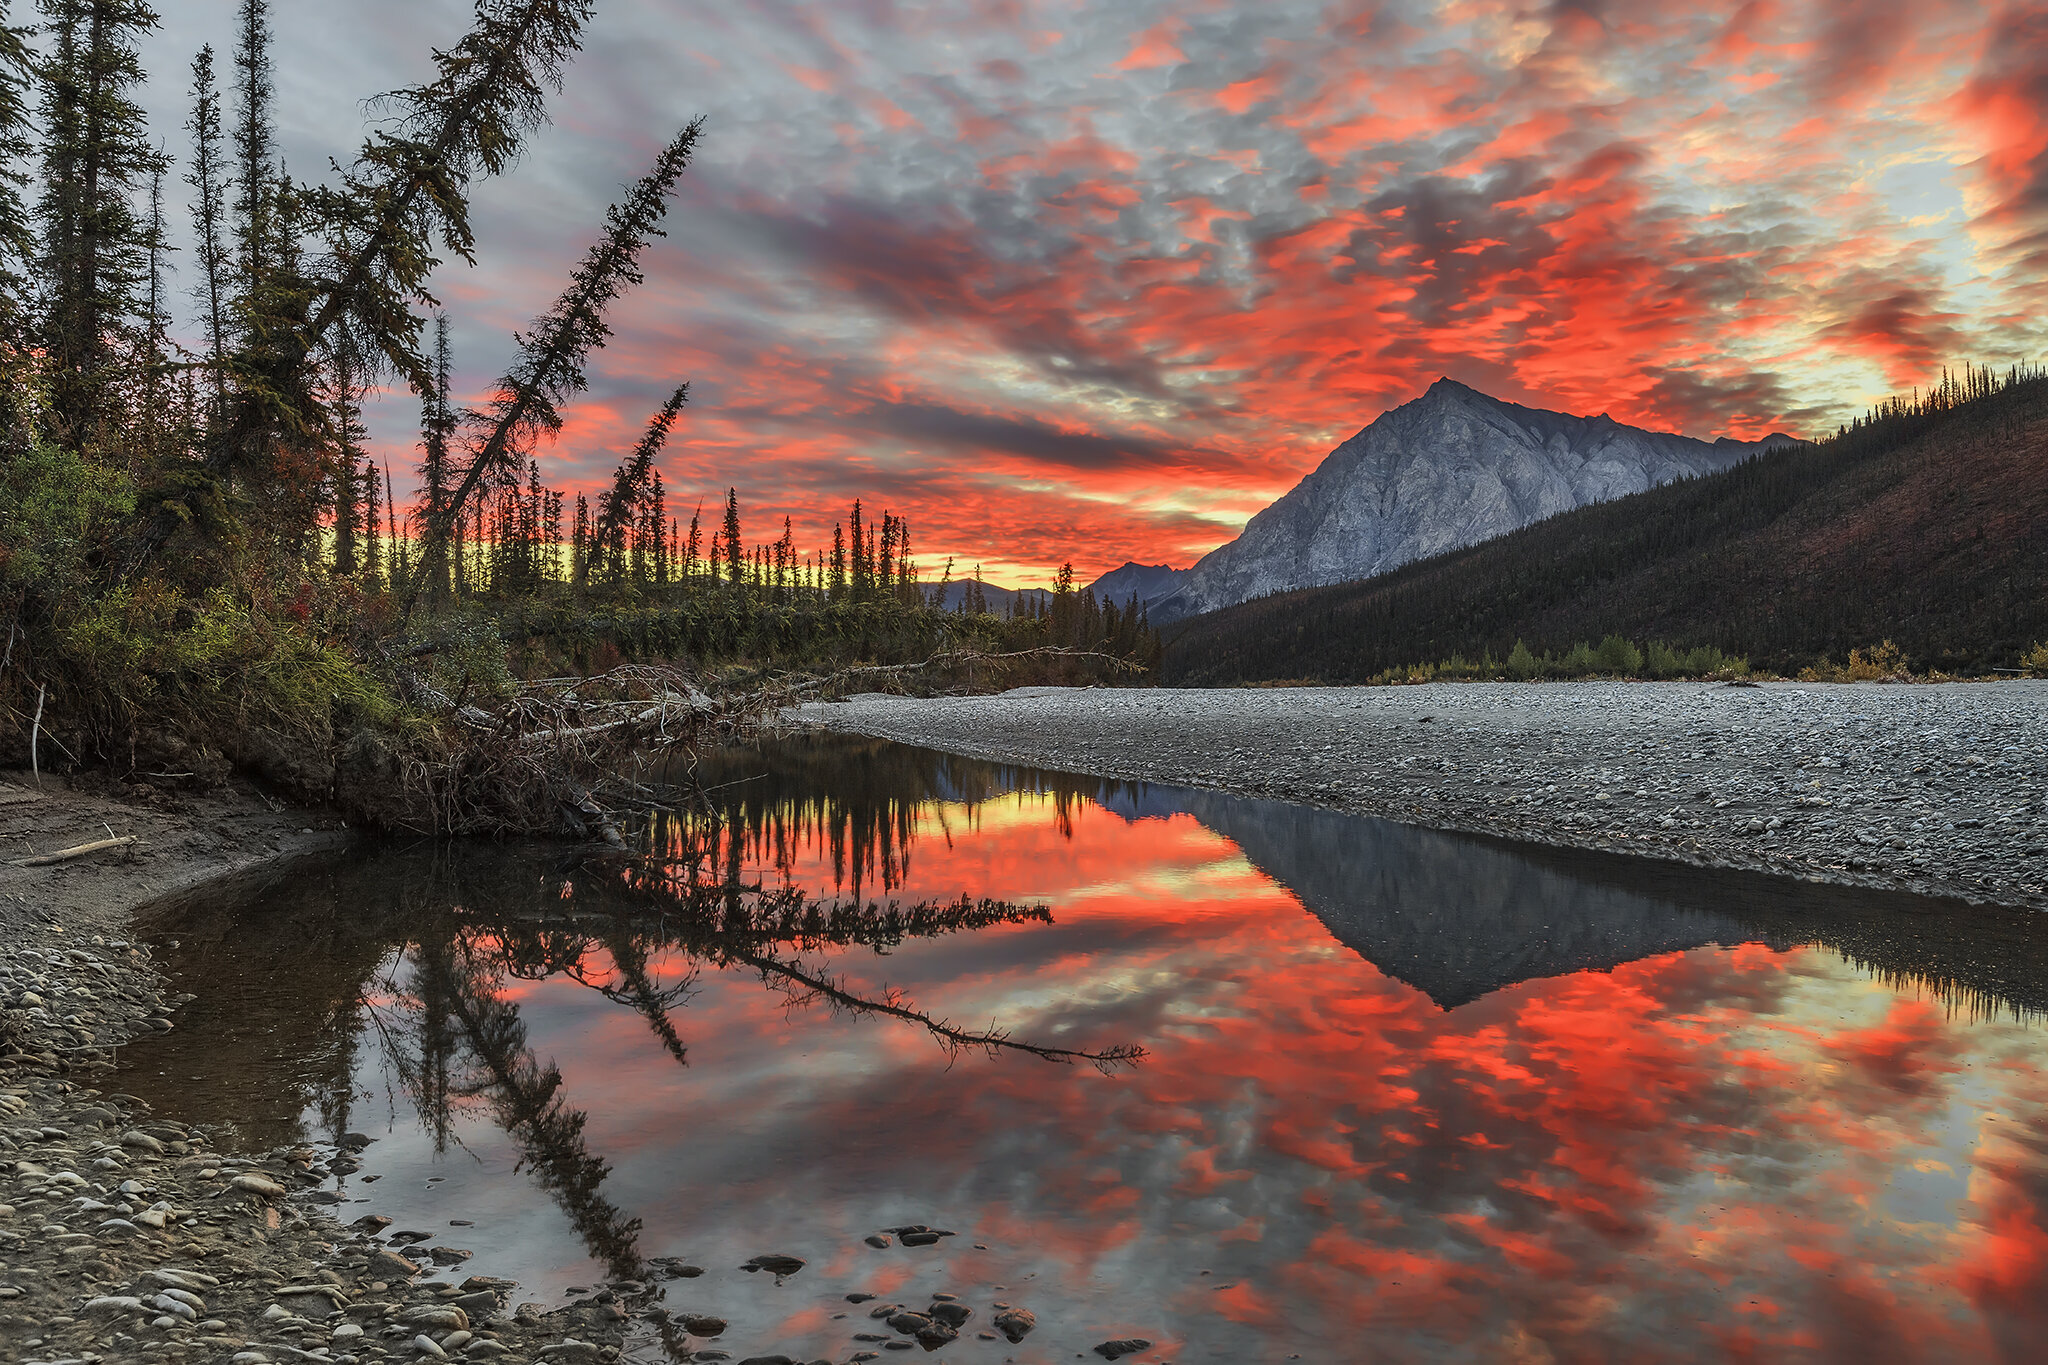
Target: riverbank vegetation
x: 1614, y: 657
x: 1921, y: 523
x: 201, y: 566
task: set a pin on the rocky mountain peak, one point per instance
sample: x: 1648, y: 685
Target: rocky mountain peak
x: 1453, y: 467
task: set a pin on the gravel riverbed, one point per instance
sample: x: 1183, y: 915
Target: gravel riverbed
x: 1940, y: 789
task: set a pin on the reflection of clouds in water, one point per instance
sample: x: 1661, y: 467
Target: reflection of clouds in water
x: 1695, y: 1154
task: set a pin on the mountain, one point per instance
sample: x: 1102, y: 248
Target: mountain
x: 998, y: 599
x: 1925, y: 527
x: 1147, y: 582
x: 1452, y: 468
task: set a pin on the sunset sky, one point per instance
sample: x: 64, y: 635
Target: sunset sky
x: 1099, y: 280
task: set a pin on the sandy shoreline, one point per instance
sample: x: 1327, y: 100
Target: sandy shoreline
x: 1935, y: 789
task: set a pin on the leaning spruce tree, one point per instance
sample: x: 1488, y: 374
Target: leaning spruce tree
x: 526, y: 401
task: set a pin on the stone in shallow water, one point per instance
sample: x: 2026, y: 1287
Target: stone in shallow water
x: 1016, y: 1323
x: 776, y: 1263
x: 702, y: 1325
x: 1122, y: 1346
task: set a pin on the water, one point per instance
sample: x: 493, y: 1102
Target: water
x: 1403, y: 1095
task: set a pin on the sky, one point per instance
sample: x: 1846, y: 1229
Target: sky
x: 1097, y: 281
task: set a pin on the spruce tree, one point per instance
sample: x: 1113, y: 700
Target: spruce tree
x: 858, y: 549
x: 17, y: 233
x: 347, y: 477
x: 735, y: 550
x: 372, y: 521
x: 632, y: 483
x: 209, y: 222
x: 96, y: 155
x: 255, y: 147
x: 437, y: 424
x: 406, y: 199
x: 152, y: 363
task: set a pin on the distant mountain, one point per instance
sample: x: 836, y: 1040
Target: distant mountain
x: 1927, y: 529
x: 999, y: 598
x: 1452, y: 468
x: 1147, y: 582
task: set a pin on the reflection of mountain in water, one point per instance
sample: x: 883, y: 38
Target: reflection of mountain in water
x: 1451, y: 917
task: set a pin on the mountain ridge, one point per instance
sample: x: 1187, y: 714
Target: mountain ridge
x: 1448, y: 469
x: 1922, y: 527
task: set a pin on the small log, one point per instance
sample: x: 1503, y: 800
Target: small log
x: 65, y: 855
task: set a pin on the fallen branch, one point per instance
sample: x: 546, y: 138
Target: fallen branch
x: 950, y: 658
x: 67, y: 854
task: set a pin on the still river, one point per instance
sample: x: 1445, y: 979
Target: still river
x: 1245, y: 1080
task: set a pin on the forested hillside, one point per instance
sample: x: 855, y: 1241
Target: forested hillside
x: 1925, y: 523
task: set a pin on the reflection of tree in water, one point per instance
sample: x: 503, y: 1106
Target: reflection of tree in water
x: 639, y: 930
x: 851, y: 803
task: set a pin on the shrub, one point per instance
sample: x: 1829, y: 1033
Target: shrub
x: 1522, y: 665
x: 1617, y: 655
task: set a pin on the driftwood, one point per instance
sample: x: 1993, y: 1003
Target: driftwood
x: 564, y: 755
x: 65, y: 855
x: 958, y: 658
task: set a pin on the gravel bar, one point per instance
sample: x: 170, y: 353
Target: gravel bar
x: 1932, y: 788
x: 128, y: 1235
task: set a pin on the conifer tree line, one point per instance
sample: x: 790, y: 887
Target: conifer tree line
x: 190, y: 512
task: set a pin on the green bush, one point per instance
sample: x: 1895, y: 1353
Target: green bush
x: 1617, y: 655
x: 150, y: 651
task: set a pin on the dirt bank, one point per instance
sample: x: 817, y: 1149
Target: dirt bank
x: 1935, y: 789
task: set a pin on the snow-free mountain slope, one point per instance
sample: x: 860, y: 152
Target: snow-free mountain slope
x: 1450, y: 469
x: 1146, y: 582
